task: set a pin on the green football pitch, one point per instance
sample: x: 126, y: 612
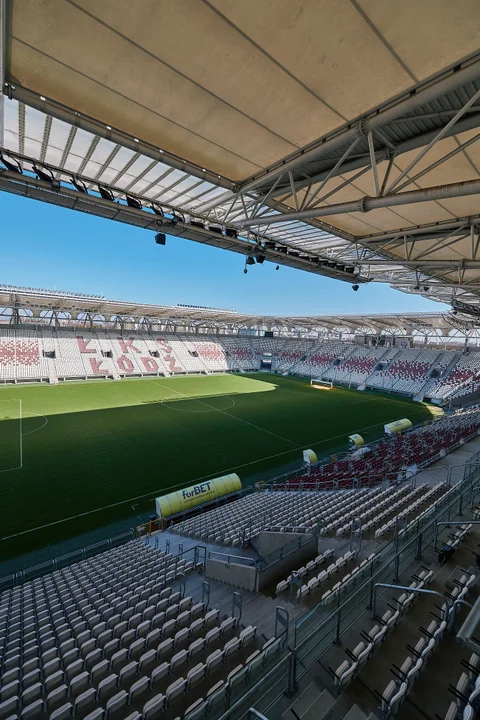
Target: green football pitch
x: 78, y: 456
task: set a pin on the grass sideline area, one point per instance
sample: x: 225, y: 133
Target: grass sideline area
x: 96, y: 452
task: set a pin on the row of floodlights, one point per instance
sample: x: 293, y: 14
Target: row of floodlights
x: 45, y: 173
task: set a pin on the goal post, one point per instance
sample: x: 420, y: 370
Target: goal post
x: 321, y: 384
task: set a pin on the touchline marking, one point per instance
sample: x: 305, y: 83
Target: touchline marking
x: 234, y: 417
x: 152, y: 494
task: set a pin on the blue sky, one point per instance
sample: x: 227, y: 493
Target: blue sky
x: 49, y: 247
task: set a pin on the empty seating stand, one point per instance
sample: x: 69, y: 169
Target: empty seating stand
x: 110, y: 636
x: 418, y: 447
x: 408, y: 372
x: 20, y: 358
x: 461, y: 378
x: 69, y: 353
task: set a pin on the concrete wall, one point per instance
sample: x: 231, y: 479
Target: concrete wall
x: 235, y: 574
x: 248, y: 577
x: 267, y: 542
x: 282, y: 568
x: 466, y: 400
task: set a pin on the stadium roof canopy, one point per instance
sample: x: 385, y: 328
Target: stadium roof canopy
x: 23, y: 304
x: 341, y: 137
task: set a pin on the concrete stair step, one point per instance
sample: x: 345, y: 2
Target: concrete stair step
x: 355, y: 713
x: 305, y: 702
x: 320, y: 707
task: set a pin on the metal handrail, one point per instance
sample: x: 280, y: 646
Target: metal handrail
x: 50, y: 566
x: 255, y: 713
x: 263, y: 683
x: 233, y: 557
x: 465, y: 634
x: 412, y: 590
x: 383, y: 553
x: 446, y: 523
x: 470, y: 464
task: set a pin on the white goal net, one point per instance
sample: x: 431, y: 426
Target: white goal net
x: 321, y: 384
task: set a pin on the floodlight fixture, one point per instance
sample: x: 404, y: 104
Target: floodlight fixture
x: 260, y: 259
x: 45, y: 174
x: 156, y: 209
x: 11, y: 164
x: 79, y: 185
x: 178, y: 216
x: 133, y: 202
x: 106, y: 193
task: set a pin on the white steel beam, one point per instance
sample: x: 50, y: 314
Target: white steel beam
x: 365, y: 204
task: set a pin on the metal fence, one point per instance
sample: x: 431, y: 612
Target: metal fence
x: 324, y: 624
x: 295, y: 544
x: 316, y: 630
x: 62, y: 561
x: 232, y: 558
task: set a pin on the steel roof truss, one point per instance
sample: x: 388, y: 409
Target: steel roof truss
x: 433, y: 142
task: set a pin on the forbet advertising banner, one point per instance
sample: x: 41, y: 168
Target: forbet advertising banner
x: 189, y: 497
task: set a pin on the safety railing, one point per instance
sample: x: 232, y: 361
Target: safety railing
x: 316, y: 630
x: 62, y: 561
x: 282, y: 552
x: 324, y: 624
x: 266, y: 686
x: 231, y: 557
x: 253, y: 713
x: 151, y: 526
